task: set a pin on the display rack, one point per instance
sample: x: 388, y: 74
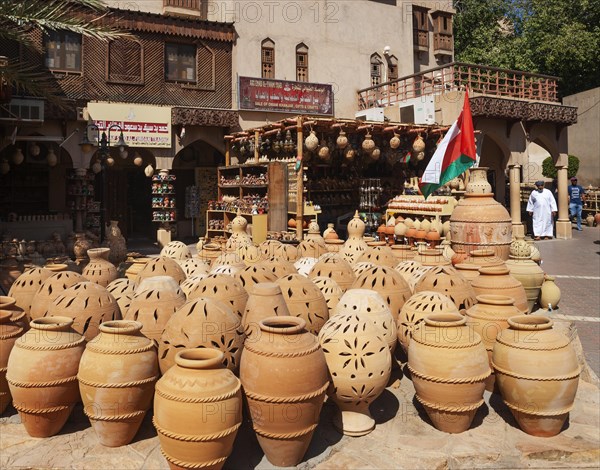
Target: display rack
x: 592, y: 200
x: 309, y: 212
x: 163, y: 198
x: 435, y: 206
x: 218, y: 223
x: 80, y: 201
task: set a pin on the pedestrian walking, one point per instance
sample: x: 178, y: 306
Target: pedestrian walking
x: 542, y: 207
x: 576, y: 198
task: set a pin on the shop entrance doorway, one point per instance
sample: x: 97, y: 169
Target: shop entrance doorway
x: 139, y: 205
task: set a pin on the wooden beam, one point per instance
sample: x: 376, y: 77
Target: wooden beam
x: 299, y: 182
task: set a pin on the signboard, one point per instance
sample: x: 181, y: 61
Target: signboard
x: 260, y: 94
x: 143, y: 126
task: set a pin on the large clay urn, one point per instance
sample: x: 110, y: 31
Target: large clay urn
x: 537, y: 373
x: 99, y: 269
x: 379, y: 255
x: 254, y: 274
x: 283, y: 368
x: 161, y: 266
x: 311, y: 248
x: 286, y: 251
x: 89, y: 305
x: 330, y: 290
x: 224, y: 288
x: 484, y: 258
x: 488, y: 317
x: 305, y: 300
x: 25, y: 287
x: 526, y: 271
x: 468, y: 271
x: 412, y: 271
x: 355, y: 245
x: 198, y: 385
x: 448, y: 366
x: 194, y: 267
x: 304, y: 265
x: 201, y: 323
x: 42, y: 374
x: 123, y: 290
x: 10, y: 331
x: 265, y: 300
x: 334, y: 266
x: 478, y: 220
x: 50, y: 289
x: 549, y: 293
x: 448, y: 281
x: 498, y: 281
x: 280, y: 268
x: 359, y: 363
x: 117, y: 373
x: 176, y: 250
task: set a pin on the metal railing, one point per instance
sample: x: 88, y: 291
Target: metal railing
x: 455, y: 76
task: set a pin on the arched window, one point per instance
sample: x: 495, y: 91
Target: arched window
x: 376, y: 66
x: 125, y: 59
x: 392, y: 71
x: 267, y: 55
x: 301, y: 63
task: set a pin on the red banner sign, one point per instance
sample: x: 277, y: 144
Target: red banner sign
x: 291, y: 97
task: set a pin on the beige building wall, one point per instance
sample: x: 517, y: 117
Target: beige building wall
x: 584, y: 137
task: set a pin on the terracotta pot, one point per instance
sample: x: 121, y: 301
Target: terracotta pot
x: 448, y: 281
x: 249, y: 254
x: 468, y: 271
x: 194, y: 267
x: 497, y: 280
x: 202, y: 323
x: 460, y: 257
x: 359, y: 363
x: 597, y: 218
x: 479, y: 221
x: 549, y: 293
x: 190, y: 283
x: 224, y: 288
x: 176, y: 250
x: 355, y: 245
x: 254, y: 274
x: 56, y: 267
x: 280, y: 268
x: 161, y: 266
x: 530, y: 275
x: 17, y: 314
x: 415, y: 310
x: 412, y: 272
x: 26, y: 286
x: 137, y: 264
x: 379, y: 255
x: 361, y: 267
x: 284, y: 368
x: 484, y: 258
x: 433, y: 238
x: 330, y: 290
x: 117, y: 373
x: 304, y: 265
x: 305, y: 300
x: 285, y: 251
x: 122, y: 290
x: 42, y: 374
x: 334, y: 266
x: 431, y: 257
x: 89, y: 305
x: 116, y: 243
x: 50, y: 289
x: 81, y: 246
x: 153, y: 308
x: 210, y: 252
x: 99, y: 269
x: 448, y: 366
x: 330, y: 233
x: 197, y: 385
x: 9, y: 333
x: 410, y: 235
x: 589, y: 220
x: 488, y: 317
x: 389, y: 284
x: 265, y: 300
x: 269, y: 248
x: 537, y: 373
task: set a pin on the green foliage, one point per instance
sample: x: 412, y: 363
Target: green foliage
x: 549, y: 170
x: 553, y: 37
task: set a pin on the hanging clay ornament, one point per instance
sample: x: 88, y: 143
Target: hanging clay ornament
x: 375, y: 153
x: 418, y: 144
x: 368, y: 144
x: 341, y: 141
x: 395, y: 141
x: 311, y: 142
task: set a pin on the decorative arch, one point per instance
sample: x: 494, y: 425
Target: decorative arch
x: 376, y: 67
x: 267, y: 58
x: 302, y: 62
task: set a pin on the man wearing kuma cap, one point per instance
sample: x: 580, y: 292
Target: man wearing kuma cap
x: 542, y: 207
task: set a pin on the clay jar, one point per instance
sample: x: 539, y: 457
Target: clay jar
x: 498, y: 281
x: 280, y: 268
x: 9, y: 333
x: 161, y: 266
x: 17, y: 313
x: 198, y: 385
x: 380, y: 256
x: 537, y: 373
x: 549, y: 293
x: 286, y: 252
x: 176, y: 250
x: 89, y: 305
x: 116, y: 376
x: 359, y: 363
x: 415, y: 310
x: 529, y: 274
x: 448, y: 366
x: 137, y: 264
x: 254, y: 274
x: 488, y: 317
x: 123, y: 290
x: 468, y: 271
x: 202, y: 323
x: 25, y: 287
x: 153, y: 308
x: 355, y: 245
x: 194, y: 267
x: 484, y: 258
x: 42, y: 374
x: 334, y: 266
x: 265, y: 300
x: 305, y: 300
x: 50, y: 289
x: 448, y: 281
x: 99, y: 269
x: 284, y: 368
x: 330, y: 290
x: 224, y: 288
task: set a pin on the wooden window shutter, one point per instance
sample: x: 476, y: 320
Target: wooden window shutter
x: 125, y: 61
x: 206, y: 67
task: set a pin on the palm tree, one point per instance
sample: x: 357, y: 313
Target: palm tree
x: 18, y: 17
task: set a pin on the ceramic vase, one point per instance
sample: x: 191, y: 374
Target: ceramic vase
x: 448, y: 281
x: 42, y: 374
x: 224, y: 288
x: 265, y: 300
x: 50, y: 289
x: 448, y: 365
x: 9, y: 333
x: 117, y: 373
x: 198, y: 385
x: 529, y: 274
x: 380, y: 256
x: 254, y: 274
x: 284, y: 368
x: 549, y: 293
x: 498, y: 281
x: 334, y: 266
x: 359, y: 363
x: 202, y: 323
x: 537, y: 373
x: 355, y: 245
x: 26, y: 286
x: 176, y: 250
x: 161, y: 266
x: 330, y: 290
x: 99, y: 269
x: 305, y: 300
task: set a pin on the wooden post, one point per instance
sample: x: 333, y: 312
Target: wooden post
x: 256, y: 147
x: 227, y: 152
x: 300, y: 182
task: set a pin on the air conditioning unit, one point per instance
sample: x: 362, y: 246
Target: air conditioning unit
x: 22, y: 109
x: 419, y: 110
x: 371, y: 114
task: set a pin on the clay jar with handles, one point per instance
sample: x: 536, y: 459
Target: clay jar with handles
x: 537, y: 373
x: 488, y: 317
x: 359, y: 363
x: 448, y: 366
x: 117, y: 373
x: 197, y: 410
x: 9, y: 333
x: 283, y: 368
x: 99, y: 269
x: 42, y: 374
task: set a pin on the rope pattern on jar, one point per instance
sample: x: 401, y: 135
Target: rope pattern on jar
x: 54, y: 409
x: 554, y: 378
x: 212, y: 399
x: 133, y: 383
x: 183, y: 464
x: 96, y: 349
x: 535, y: 346
x: 444, y: 380
x: 270, y: 399
x: 12, y: 335
x: 529, y: 411
x: 193, y: 437
x: 306, y: 352
x: 121, y: 417
x: 449, y: 345
x: 454, y: 409
x: 55, y: 347
x: 290, y: 435
x: 53, y: 383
